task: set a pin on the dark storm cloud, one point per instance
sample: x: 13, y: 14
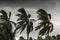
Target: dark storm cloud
x: 28, y: 3
x: 25, y: 0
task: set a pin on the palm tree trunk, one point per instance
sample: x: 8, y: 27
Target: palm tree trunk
x: 27, y: 36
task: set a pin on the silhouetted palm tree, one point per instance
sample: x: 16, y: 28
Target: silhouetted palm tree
x: 45, y: 25
x: 7, y: 25
x: 25, y: 22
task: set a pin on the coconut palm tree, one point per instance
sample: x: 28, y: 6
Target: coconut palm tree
x: 45, y: 25
x: 25, y: 22
x: 7, y: 25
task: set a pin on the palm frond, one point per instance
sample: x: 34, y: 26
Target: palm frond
x: 38, y: 27
x: 43, y: 31
x: 21, y: 23
x: 42, y: 12
x: 23, y: 12
x: 9, y: 15
x: 18, y: 27
x: 4, y: 14
x: 22, y: 28
x: 19, y: 15
x: 49, y: 15
x: 13, y: 23
x: 51, y: 28
x: 32, y: 20
x: 29, y: 15
x: 22, y: 18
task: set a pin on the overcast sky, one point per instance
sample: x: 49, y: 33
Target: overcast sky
x: 31, y: 6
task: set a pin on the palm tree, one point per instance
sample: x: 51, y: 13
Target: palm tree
x: 45, y: 25
x: 7, y: 25
x: 25, y: 22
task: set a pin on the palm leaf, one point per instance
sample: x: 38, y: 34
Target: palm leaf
x: 42, y: 12
x: 4, y: 14
x: 21, y: 18
x: 49, y: 15
x: 21, y: 23
x: 38, y: 27
x: 9, y: 15
x: 51, y: 28
x: 32, y: 20
x: 43, y: 31
x: 22, y: 28
x: 18, y: 27
x: 23, y: 12
x: 13, y: 23
x: 18, y: 15
x: 29, y: 15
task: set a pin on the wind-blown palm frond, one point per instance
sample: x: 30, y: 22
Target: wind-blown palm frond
x: 38, y: 27
x: 9, y: 15
x: 22, y: 10
x: 33, y: 20
x: 13, y: 23
x: 22, y: 28
x: 51, y: 28
x: 29, y: 15
x: 4, y: 14
x: 42, y: 31
x: 49, y: 15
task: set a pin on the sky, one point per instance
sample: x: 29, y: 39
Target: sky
x: 31, y: 6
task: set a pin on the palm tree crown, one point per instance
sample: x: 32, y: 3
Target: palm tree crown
x: 45, y: 25
x: 7, y: 26
x: 25, y: 21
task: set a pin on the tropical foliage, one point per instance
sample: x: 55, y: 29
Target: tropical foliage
x: 6, y: 26
x: 24, y: 22
x: 45, y: 25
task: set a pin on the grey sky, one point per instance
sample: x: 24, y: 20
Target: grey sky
x: 51, y: 6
